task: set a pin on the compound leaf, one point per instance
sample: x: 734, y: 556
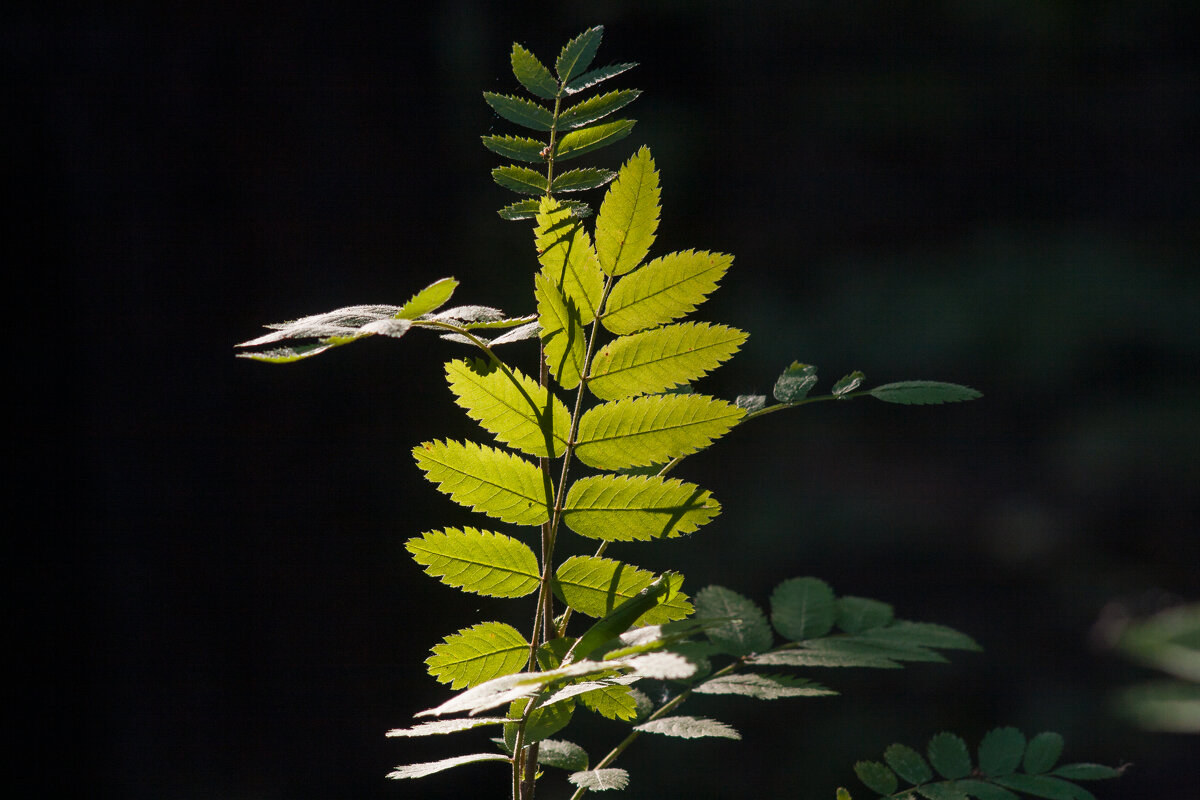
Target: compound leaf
x: 430, y: 767
x: 1042, y: 752
x: 636, y: 508
x: 562, y: 754
x: 589, y: 79
x: 567, y: 257
x: 795, y: 382
x: 476, y: 561
x: 662, y: 291
x: 908, y: 764
x: 562, y: 333
x: 661, y: 359
x: 921, y: 393
x: 594, y: 108
x: 532, y: 74
x: 518, y: 148
x: 520, y: 179
x: 858, y: 614
x: 579, y: 180
x: 802, y: 608
x: 595, y: 586
x: 762, y: 687
x: 477, y: 654
x: 876, y: 776
x: 586, y: 140
x: 686, y: 727
x: 949, y: 756
x: 577, y: 54
x: 511, y: 406
x: 746, y: 631
x: 638, y: 432
x: 523, y: 112
x: 600, y: 780
x: 1001, y: 751
x: 628, y: 218
x: 486, y: 480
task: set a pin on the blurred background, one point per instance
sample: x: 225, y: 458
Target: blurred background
x: 217, y: 599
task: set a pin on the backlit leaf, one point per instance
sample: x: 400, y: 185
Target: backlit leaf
x: 568, y: 260
x: 662, y: 291
x: 661, y: 359
x: 543, y: 722
x: 586, y: 140
x: 523, y: 112
x: 511, y: 406
x: 688, y: 728
x: 430, y: 767
x: 802, y: 608
x: 747, y: 632
x: 641, y: 431
x: 634, y: 508
x: 628, y: 217
x: 577, y: 54
x: 600, y: 780
x: 907, y: 763
x: 1042, y: 752
x: 518, y: 148
x: 595, y: 108
x: 923, y: 393
x: 562, y: 333
x: 522, y: 209
x: 520, y: 179
x: 595, y: 586
x: 486, y: 480
x: 477, y: 654
x: 858, y: 614
x: 579, y: 180
x: 445, y: 726
x: 949, y: 756
x: 431, y: 298
x: 762, y: 687
x: 481, y: 562
x: 532, y: 74
x: 611, y: 702
x: 1001, y: 751
x: 589, y: 79
x: 795, y: 382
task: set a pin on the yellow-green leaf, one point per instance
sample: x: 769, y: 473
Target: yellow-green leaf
x: 477, y: 654
x: 611, y: 702
x: 664, y: 290
x: 511, y: 406
x: 661, y: 359
x: 641, y: 431
x: 628, y: 218
x: 561, y: 331
x: 567, y: 257
x: 431, y: 298
x: 636, y: 508
x: 487, y: 480
x: 481, y: 562
x: 595, y: 586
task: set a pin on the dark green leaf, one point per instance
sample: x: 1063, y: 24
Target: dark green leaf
x: 543, y: 723
x: 747, y: 632
x: 920, y: 393
x: 947, y: 790
x: 858, y: 614
x: 532, y: 74
x: 562, y: 754
x: 848, y: 384
x: 802, y: 608
x: 518, y: 148
x: 1039, y: 786
x: 908, y: 764
x: 577, y: 54
x: 985, y: 791
x: 829, y: 652
x: 525, y: 113
x: 579, y: 180
x: 520, y: 179
x: 1086, y: 772
x: 522, y: 209
x: 595, y: 108
x: 1042, y: 753
x: 589, y: 79
x: 795, y: 382
x: 585, y: 140
x: 921, y: 634
x: 949, y: 756
x: 1001, y: 750
x: 876, y: 776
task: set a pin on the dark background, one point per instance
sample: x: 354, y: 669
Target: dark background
x: 217, y: 602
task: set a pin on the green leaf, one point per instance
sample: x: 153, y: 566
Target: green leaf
x: 1087, y: 772
x: 628, y: 508
x: 949, y: 756
x: 762, y: 687
x: 621, y: 619
x: 662, y: 291
x: 477, y: 654
x: 867, y: 644
x: 832, y: 652
x: 595, y: 108
x: 487, y: 480
x: 746, y: 633
x: 922, y: 393
x: 628, y: 218
x: 579, y: 180
x: 795, y: 383
x: 595, y: 586
x: 1039, y: 786
x: 848, y: 384
x: 611, y: 702
x: 1001, y: 750
x: 532, y: 74
x: 518, y: 148
x: 520, y: 179
x: 475, y: 561
x: 562, y: 333
x: 802, y: 608
x: 686, y: 727
x: 843, y: 794
x: 568, y: 259
x: 431, y: 298
x: 920, y: 634
x: 985, y: 791
x: 586, y: 140
x: 511, y: 406
x: 523, y: 112
x: 445, y: 726
x: 908, y: 764
x: 661, y: 359
x: 638, y: 432
x: 522, y: 209
x: 1043, y: 752
x: 858, y: 614
x: 947, y: 790
x: 543, y: 722
x: 600, y: 780
x: 876, y: 776
x: 562, y: 754
x: 577, y: 54
x: 598, y: 75
x: 430, y: 767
